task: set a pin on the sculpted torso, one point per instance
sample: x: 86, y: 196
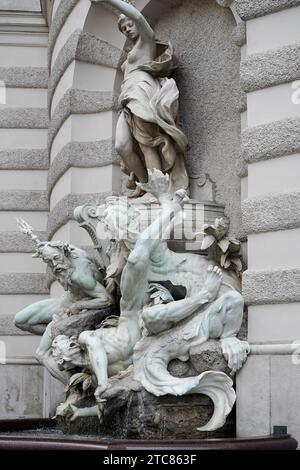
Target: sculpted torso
x: 188, y: 270
x: 79, y: 276
x: 143, y: 51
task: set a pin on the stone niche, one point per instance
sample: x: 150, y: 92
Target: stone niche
x: 208, y: 82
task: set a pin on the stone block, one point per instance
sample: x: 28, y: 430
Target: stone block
x: 75, y: 324
x: 21, y: 391
x: 253, y: 398
x: 208, y: 356
x: 285, y: 393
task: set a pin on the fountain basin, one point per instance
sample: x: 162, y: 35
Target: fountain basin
x: 42, y: 434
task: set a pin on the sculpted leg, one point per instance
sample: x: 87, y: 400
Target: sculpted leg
x: 44, y: 356
x: 152, y: 157
x: 124, y: 147
x: 44, y: 345
x: 98, y: 359
x: 75, y: 413
x: 36, y: 317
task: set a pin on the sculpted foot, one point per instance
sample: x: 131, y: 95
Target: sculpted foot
x: 138, y: 192
x: 213, y: 281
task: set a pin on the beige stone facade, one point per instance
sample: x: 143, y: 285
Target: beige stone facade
x: 238, y: 72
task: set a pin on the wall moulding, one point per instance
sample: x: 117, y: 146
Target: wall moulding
x: 272, y: 140
x: 64, y: 209
x: 248, y: 9
x: 21, y: 360
x: 23, y: 283
x: 8, y: 328
x: 270, y: 68
x: 23, y: 200
x: 87, y: 48
x: 66, y: 56
x: 271, y: 212
x: 24, y: 77
x: 95, y: 50
x: 77, y: 101
x: 271, y: 287
x: 81, y: 155
x: 20, y: 118
x: 13, y: 242
x: 153, y: 9
x: 63, y: 11
x: 24, y: 159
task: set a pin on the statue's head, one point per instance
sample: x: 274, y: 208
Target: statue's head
x: 59, y: 257
x: 128, y: 28
x: 67, y: 353
x: 56, y: 254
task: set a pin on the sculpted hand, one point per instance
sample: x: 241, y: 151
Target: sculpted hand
x: 110, y: 285
x: 158, y: 183
x: 62, y: 409
x: 73, y: 310
x: 235, y: 352
x: 98, y: 392
x: 100, y: 402
x: 56, y: 317
x: 181, y: 196
x: 73, y: 413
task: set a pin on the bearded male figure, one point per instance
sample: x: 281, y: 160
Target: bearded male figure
x: 81, y: 279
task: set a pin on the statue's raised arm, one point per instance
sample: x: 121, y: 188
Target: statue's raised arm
x: 129, y: 11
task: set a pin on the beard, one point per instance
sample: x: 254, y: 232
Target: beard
x: 64, y: 276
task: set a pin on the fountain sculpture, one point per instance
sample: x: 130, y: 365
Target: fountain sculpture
x: 141, y: 320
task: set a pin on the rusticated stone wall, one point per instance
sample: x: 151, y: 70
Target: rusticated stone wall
x: 208, y: 79
x: 23, y: 182
x: 269, y: 384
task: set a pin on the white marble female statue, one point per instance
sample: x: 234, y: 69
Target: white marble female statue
x: 149, y: 102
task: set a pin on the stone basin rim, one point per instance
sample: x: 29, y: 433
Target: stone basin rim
x: 13, y: 442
